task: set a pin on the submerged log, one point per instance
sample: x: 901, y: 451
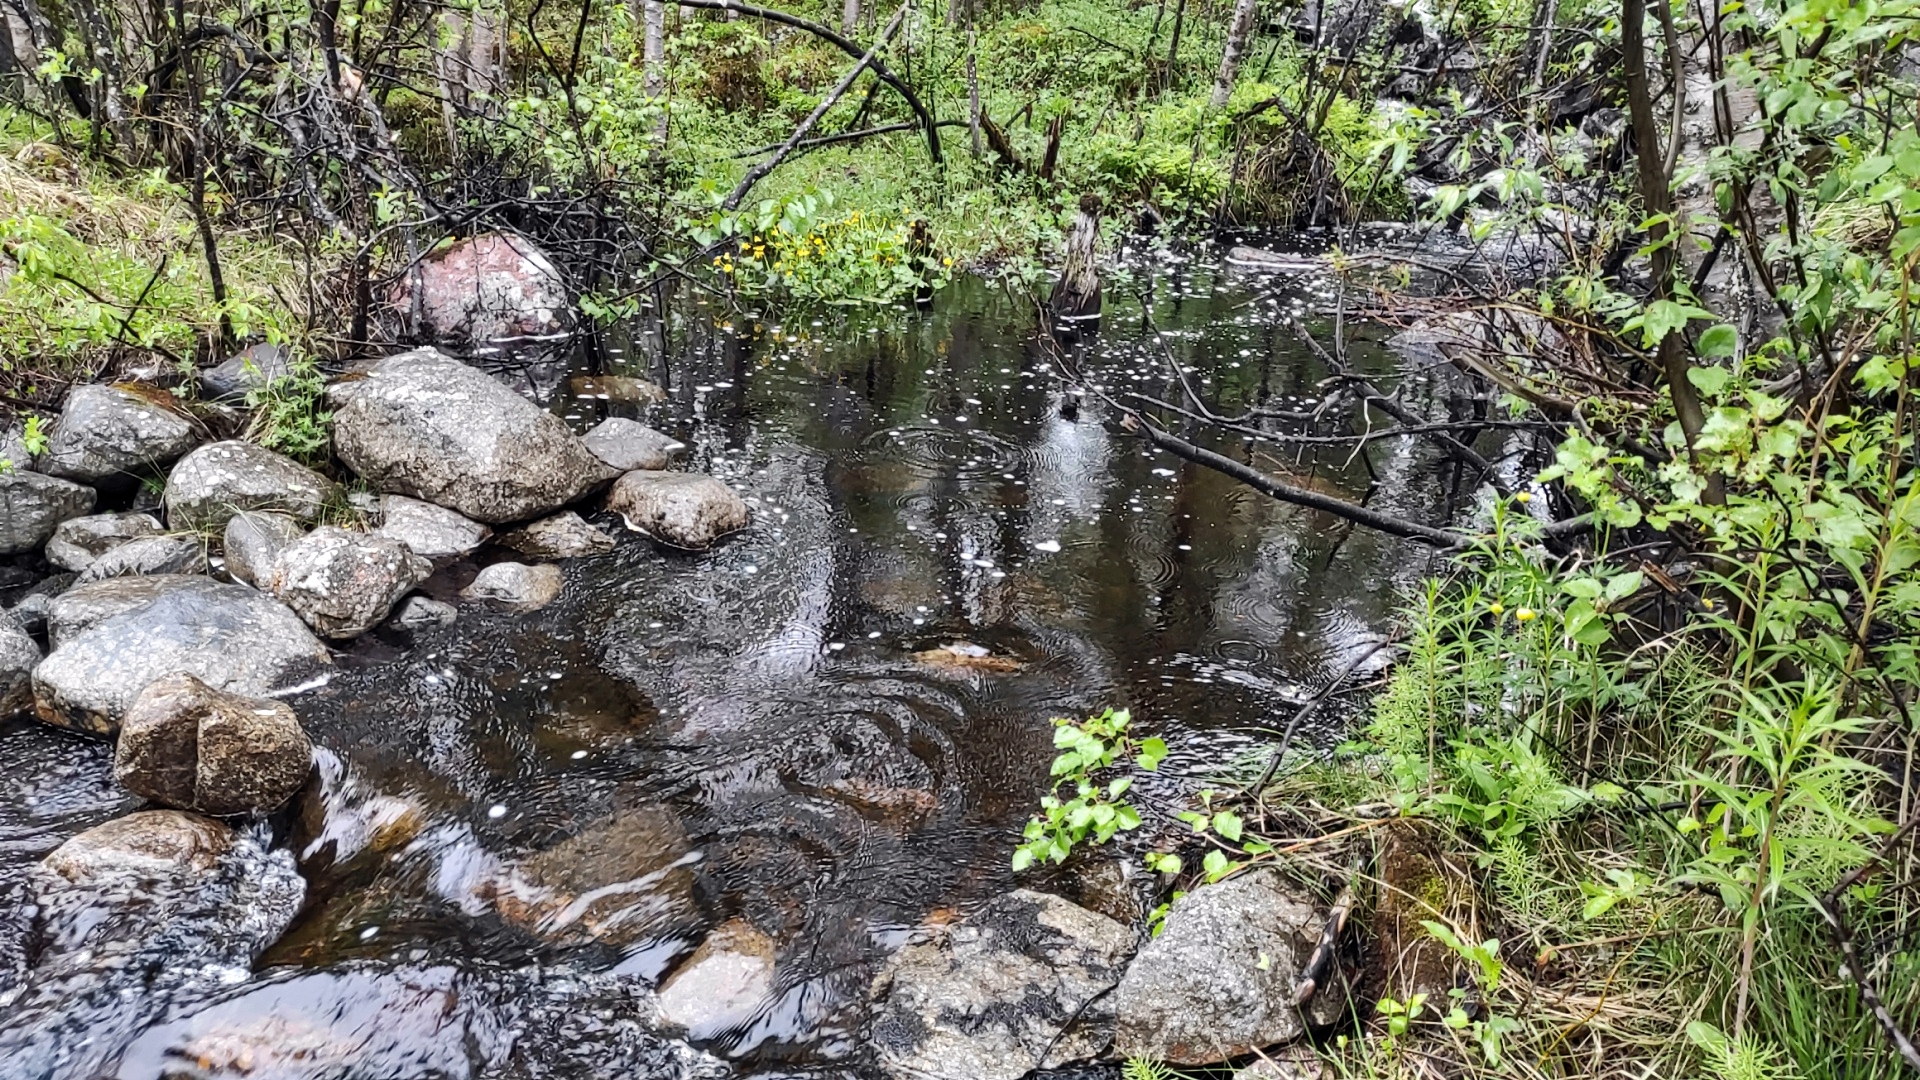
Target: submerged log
x: 1076, y: 296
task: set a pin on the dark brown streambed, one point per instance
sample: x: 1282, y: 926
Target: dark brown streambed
x: 773, y: 738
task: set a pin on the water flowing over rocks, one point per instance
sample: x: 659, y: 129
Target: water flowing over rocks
x: 627, y: 445
x: 33, y: 505
x: 623, y: 880
x: 255, y: 367
x: 424, y: 425
x: 1022, y: 984
x: 186, y: 745
x: 105, y: 431
x: 221, y: 479
x: 682, y: 510
x: 516, y: 587
x: 1219, y: 980
x: 483, y: 290
x: 77, y: 542
x: 229, y: 636
x: 343, y: 583
x: 19, y: 655
x: 434, y: 533
x: 253, y: 542
x: 148, y: 556
x: 565, y: 535
x: 720, y: 986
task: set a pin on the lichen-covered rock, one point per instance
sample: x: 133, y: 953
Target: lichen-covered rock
x: 76, y: 542
x: 222, y: 479
x: 565, y: 535
x: 229, y: 636
x: 186, y: 745
x: 343, y: 583
x: 434, y: 533
x: 516, y: 587
x: 485, y: 289
x: 1020, y: 985
x: 255, y: 367
x: 628, y: 445
x: 32, y: 506
x: 253, y: 541
x: 147, y: 556
x: 19, y: 655
x: 107, y: 430
x: 682, y: 510
x: 1219, y: 980
x: 425, y: 425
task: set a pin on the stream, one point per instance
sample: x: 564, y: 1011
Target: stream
x: 825, y: 734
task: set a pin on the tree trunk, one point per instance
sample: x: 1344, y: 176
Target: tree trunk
x: 1076, y: 296
x: 1238, y: 33
x: 653, y: 55
x: 850, y: 17
x: 1173, y: 49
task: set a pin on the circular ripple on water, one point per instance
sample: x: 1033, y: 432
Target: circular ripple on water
x: 967, y: 453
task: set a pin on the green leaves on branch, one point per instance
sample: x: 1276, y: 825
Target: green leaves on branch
x: 1080, y: 808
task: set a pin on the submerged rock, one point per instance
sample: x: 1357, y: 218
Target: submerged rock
x: 222, y: 479
x: 485, y: 289
x: 1020, y: 985
x: 255, y: 367
x: 966, y: 656
x: 185, y: 744
x: 148, y: 556
x: 628, y: 445
x: 434, y: 533
x: 108, y: 430
x: 425, y: 425
x: 516, y: 587
x: 1219, y: 980
x: 721, y: 985
x: 622, y: 881
x: 33, y: 505
x: 229, y: 636
x: 565, y: 535
x: 19, y: 655
x: 253, y: 541
x: 624, y: 389
x: 343, y: 583
x: 77, y: 542
x: 683, y: 510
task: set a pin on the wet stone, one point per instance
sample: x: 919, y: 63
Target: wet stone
x: 19, y: 655
x: 721, y: 985
x: 565, y: 535
x: 628, y: 445
x: 253, y: 541
x: 33, y: 505
x: 621, y: 389
x: 418, y: 613
x: 343, y: 583
x: 624, y: 880
x: 75, y: 610
x: 186, y: 745
x: 77, y: 542
x: 221, y: 479
x: 516, y: 587
x: 106, y: 431
x: 434, y: 533
x: 148, y: 556
x: 682, y: 510
x: 255, y: 367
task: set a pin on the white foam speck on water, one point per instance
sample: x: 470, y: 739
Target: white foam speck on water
x: 1047, y: 545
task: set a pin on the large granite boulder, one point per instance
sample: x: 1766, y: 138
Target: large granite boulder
x: 229, y: 636
x: 425, y: 425
x: 1219, y: 980
x: 176, y: 553
x: 345, y: 583
x: 76, y: 542
x: 482, y: 290
x: 109, y: 430
x: 682, y: 510
x: 253, y: 541
x: 32, y: 506
x: 255, y: 367
x: 565, y: 535
x: 627, y: 445
x: 75, y: 610
x: 434, y: 533
x: 221, y: 479
x: 186, y: 745
x: 516, y: 587
x: 19, y: 655
x: 1021, y: 985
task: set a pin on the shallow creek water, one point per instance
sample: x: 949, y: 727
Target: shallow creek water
x: 758, y: 735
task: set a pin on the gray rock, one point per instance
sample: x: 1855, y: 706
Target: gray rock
x: 151, y: 843
x: 565, y: 535
x: 19, y: 655
x: 516, y: 587
x: 75, y: 611
x: 345, y: 583
x: 434, y: 533
x: 76, y: 542
x: 33, y: 505
x: 255, y: 367
x: 13, y: 449
x: 483, y: 289
x: 229, y: 636
x: 30, y: 612
x: 186, y: 745
x: 424, y: 425
x: 628, y: 445
x: 989, y: 999
x: 218, y: 481
x: 177, y: 553
x: 106, y: 430
x: 681, y: 510
x: 722, y: 985
x: 1219, y: 980
x: 418, y: 613
x: 253, y: 541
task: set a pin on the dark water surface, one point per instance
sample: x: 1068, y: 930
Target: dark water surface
x: 756, y: 737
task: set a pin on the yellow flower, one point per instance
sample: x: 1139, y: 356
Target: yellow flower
x: 1526, y: 614
x: 1523, y: 498
x: 1497, y: 607
x: 946, y: 262
x: 759, y: 252
x: 717, y: 260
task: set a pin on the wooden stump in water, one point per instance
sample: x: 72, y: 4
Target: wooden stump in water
x: 1076, y: 296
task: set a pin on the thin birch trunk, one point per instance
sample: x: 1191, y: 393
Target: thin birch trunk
x: 1238, y: 33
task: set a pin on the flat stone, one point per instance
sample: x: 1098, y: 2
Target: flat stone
x: 151, y: 843
x: 19, y: 655
x: 255, y: 367
x: 683, y: 510
x: 434, y: 533
x: 32, y: 506
x: 722, y: 985
x: 253, y: 541
x: 186, y: 745
x: 628, y: 445
x: 565, y: 535
x: 516, y: 587
x: 76, y: 542
x: 343, y: 583
x: 222, y: 479
x: 108, y: 430
x: 76, y: 610
x: 149, y: 555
